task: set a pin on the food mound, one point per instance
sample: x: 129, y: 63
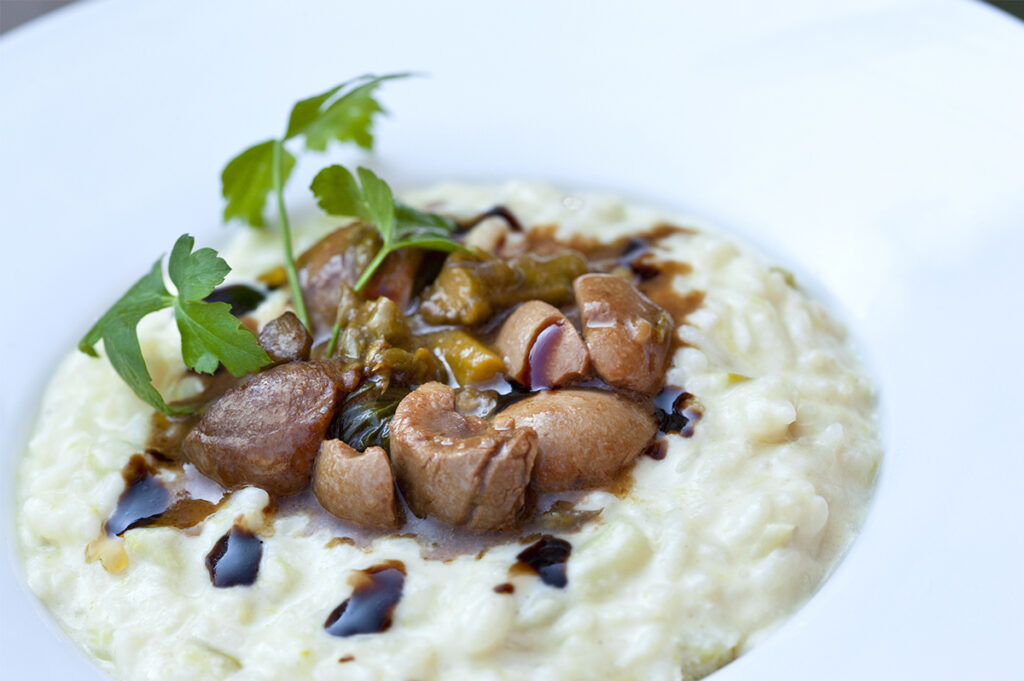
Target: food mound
x: 453, y: 451
x: 579, y: 442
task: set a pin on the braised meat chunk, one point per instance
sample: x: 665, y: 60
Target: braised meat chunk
x: 339, y: 258
x: 585, y: 437
x: 458, y: 468
x: 628, y: 336
x: 285, y: 339
x: 540, y: 347
x: 357, y: 487
x: 266, y: 432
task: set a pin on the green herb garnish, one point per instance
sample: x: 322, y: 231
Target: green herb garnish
x: 344, y: 113
x: 210, y: 334
x: 400, y: 226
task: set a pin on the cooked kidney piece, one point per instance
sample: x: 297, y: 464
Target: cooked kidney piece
x: 580, y: 406
x: 457, y: 468
x: 628, y: 336
x: 357, y: 487
x: 540, y: 347
x: 266, y: 432
x: 585, y: 437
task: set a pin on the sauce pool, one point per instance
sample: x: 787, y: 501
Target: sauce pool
x: 370, y: 608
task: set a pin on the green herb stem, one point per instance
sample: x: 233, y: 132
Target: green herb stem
x: 368, y: 273
x: 332, y: 344
x: 286, y: 237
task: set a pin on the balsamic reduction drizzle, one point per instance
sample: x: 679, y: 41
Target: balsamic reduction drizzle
x: 143, y: 500
x: 370, y: 608
x: 242, y: 299
x: 235, y: 558
x: 547, y: 558
x: 147, y: 502
x: 681, y: 417
x: 497, y: 212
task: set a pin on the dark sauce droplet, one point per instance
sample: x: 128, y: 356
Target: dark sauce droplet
x: 682, y: 414
x: 147, y: 502
x: 546, y: 558
x: 142, y: 501
x: 656, y: 450
x: 497, y: 212
x: 370, y: 608
x: 505, y: 588
x: 632, y: 248
x: 644, y: 270
x: 242, y: 299
x: 235, y: 558
x: 346, y: 658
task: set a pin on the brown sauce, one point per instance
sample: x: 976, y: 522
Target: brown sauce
x: 148, y: 502
x: 563, y: 516
x: 370, y: 608
x: 235, y: 558
x: 546, y: 558
x: 603, y: 255
x: 506, y: 588
x: 166, y: 433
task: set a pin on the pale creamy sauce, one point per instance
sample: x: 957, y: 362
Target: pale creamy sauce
x: 715, y: 543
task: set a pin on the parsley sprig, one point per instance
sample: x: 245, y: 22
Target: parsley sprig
x: 345, y: 113
x: 210, y: 334
x: 400, y: 226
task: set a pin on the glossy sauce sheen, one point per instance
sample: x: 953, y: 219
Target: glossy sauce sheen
x: 681, y: 414
x: 143, y: 500
x: 540, y: 352
x: 369, y: 609
x: 546, y: 558
x: 146, y: 502
x: 235, y: 558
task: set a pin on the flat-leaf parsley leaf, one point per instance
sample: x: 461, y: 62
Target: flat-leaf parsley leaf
x: 400, y: 226
x: 344, y: 113
x: 210, y: 334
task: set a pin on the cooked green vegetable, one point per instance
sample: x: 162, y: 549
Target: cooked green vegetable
x: 469, y: 359
x: 344, y: 113
x: 474, y: 285
x: 405, y: 367
x: 362, y: 323
x: 371, y: 200
x: 365, y: 417
x: 210, y: 334
x: 400, y: 226
x: 376, y: 334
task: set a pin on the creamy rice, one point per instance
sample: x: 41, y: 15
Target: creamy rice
x: 719, y: 541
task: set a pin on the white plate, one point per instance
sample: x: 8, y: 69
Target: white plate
x: 875, y: 146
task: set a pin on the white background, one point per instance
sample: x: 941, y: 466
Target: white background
x: 873, y: 146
